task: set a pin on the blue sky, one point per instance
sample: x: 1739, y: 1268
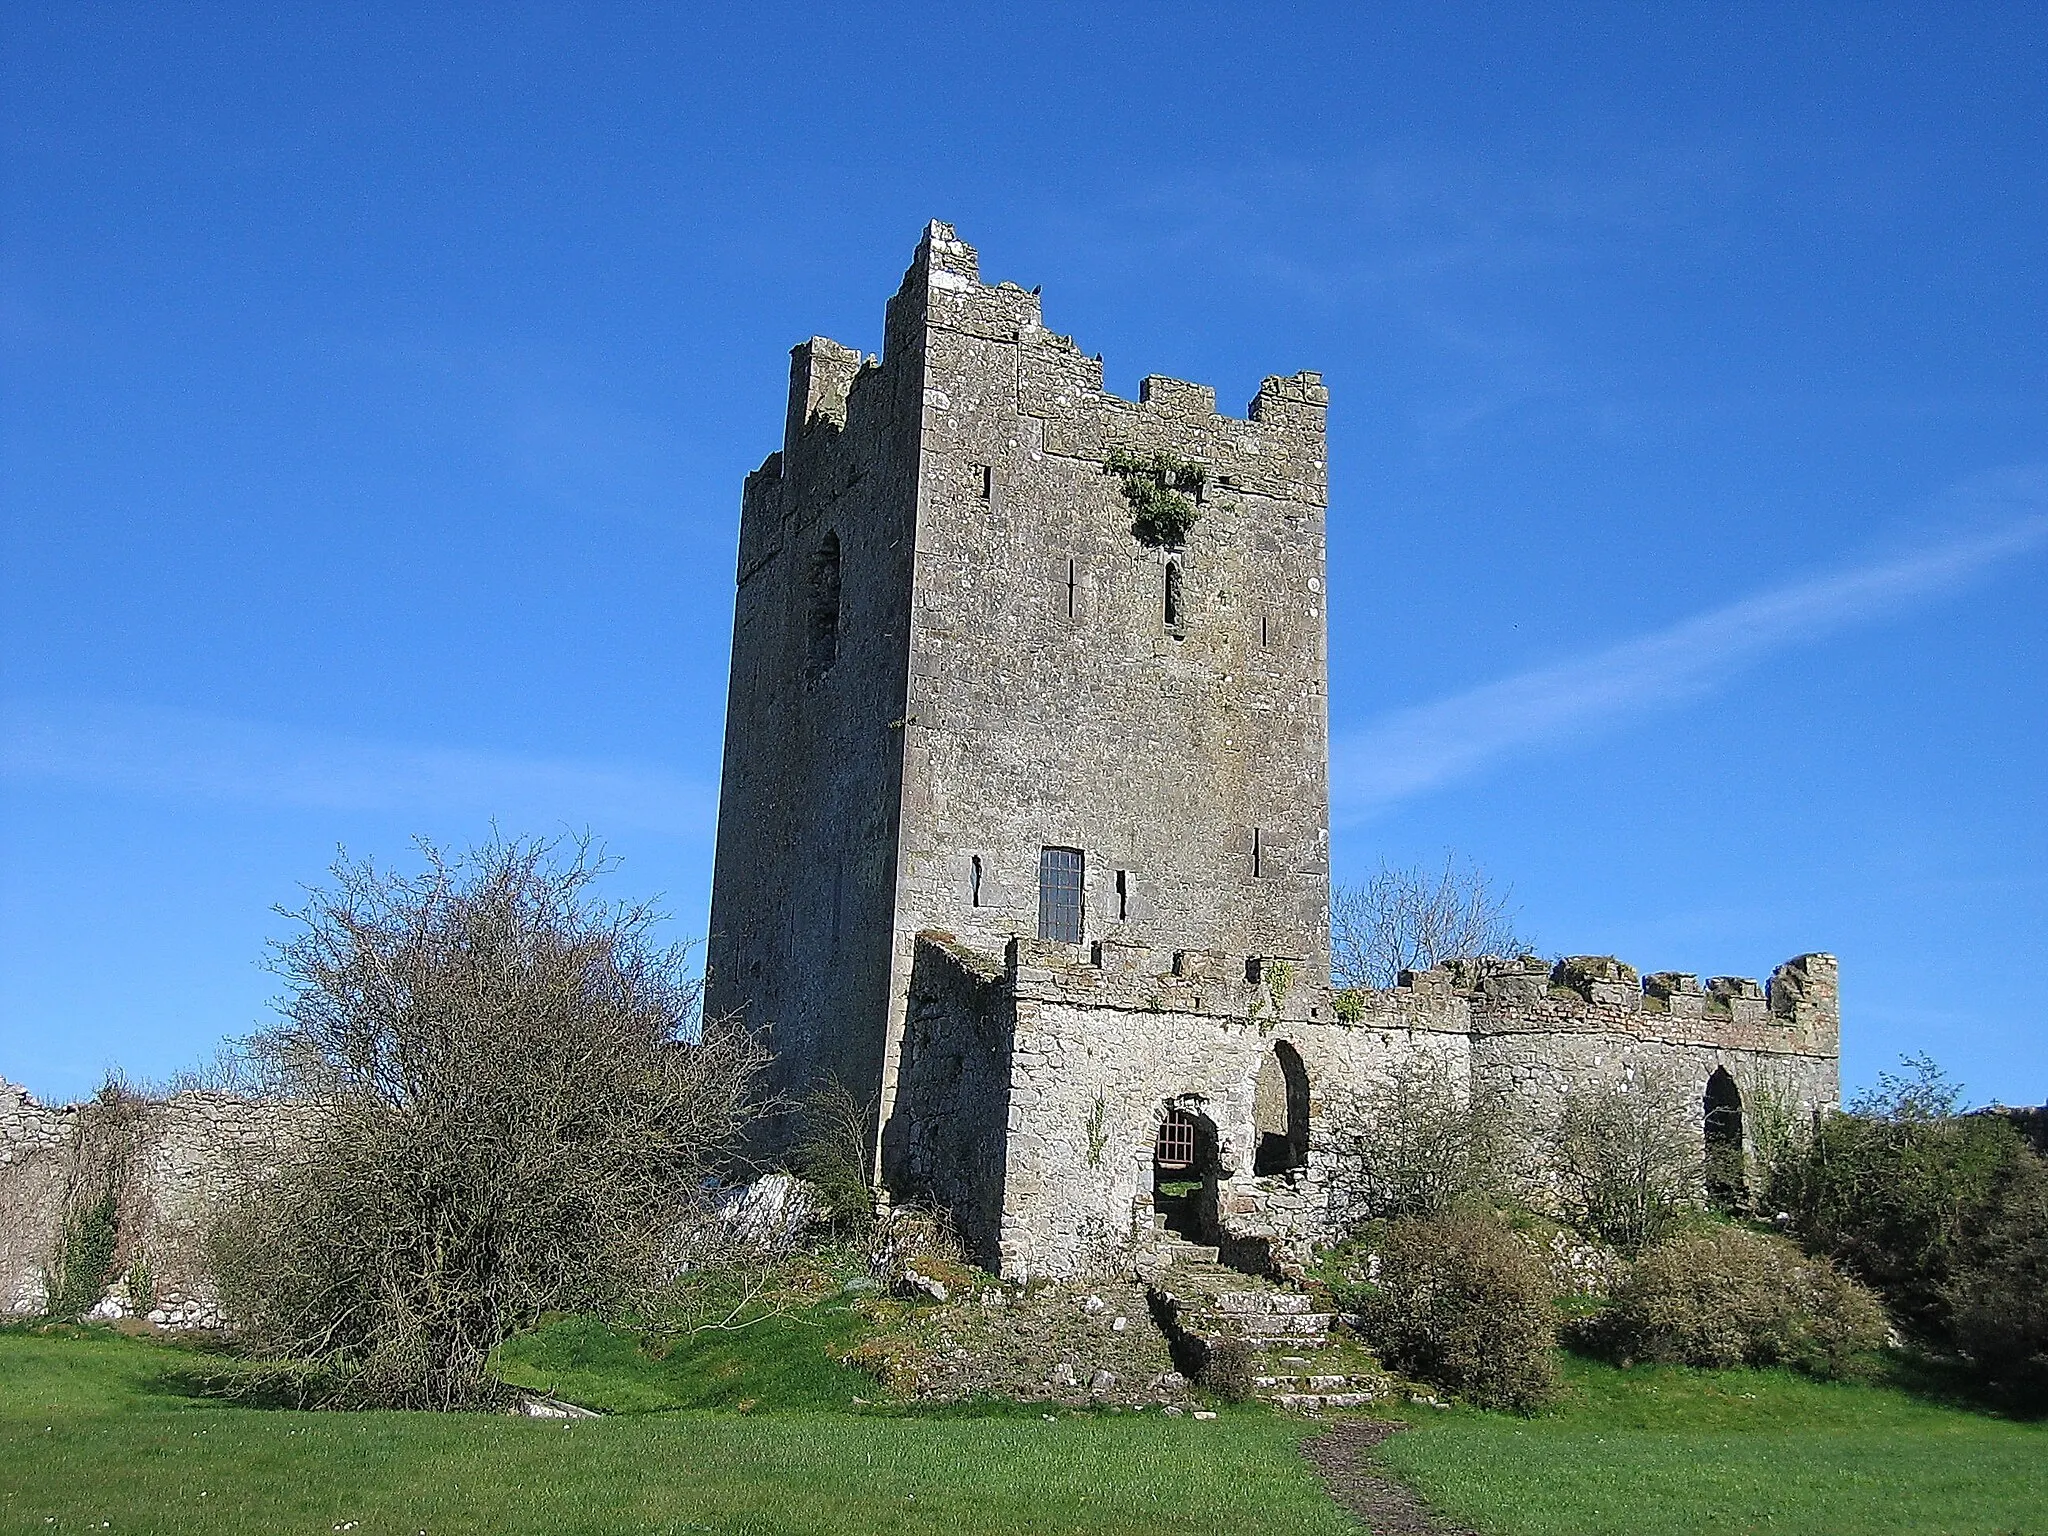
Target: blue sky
x: 379, y: 385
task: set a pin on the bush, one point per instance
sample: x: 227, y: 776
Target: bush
x: 1228, y: 1370
x: 1430, y: 1140
x: 1729, y: 1296
x: 1896, y: 1191
x: 1460, y: 1301
x: 502, y: 1102
x: 1998, y: 1300
x: 1626, y: 1162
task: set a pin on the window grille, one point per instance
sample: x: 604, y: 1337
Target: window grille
x: 1176, y: 1145
x: 1059, y: 894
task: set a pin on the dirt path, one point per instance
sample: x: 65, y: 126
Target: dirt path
x: 1343, y: 1459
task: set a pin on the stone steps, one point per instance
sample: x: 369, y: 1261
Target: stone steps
x: 1296, y: 1364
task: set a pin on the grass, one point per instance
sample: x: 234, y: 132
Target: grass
x: 778, y: 1364
x: 1660, y: 1451
x: 100, y: 1428
x: 755, y: 1431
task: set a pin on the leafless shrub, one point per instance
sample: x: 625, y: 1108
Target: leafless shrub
x: 504, y: 1103
x: 1460, y: 1300
x: 1426, y: 1140
x: 834, y: 1155
x: 1726, y: 1296
x: 1625, y: 1158
x: 1411, y: 918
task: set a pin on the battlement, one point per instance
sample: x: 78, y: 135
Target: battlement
x: 1137, y: 978
x: 1798, y: 1009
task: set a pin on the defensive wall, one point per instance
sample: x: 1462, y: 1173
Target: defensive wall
x: 165, y: 1164
x: 1034, y: 1088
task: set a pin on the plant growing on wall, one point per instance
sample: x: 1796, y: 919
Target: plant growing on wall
x: 1161, y: 490
x: 1098, y: 1138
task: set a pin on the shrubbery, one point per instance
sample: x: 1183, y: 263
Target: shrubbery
x: 1625, y: 1164
x: 1459, y: 1300
x: 1727, y: 1296
x: 1998, y: 1300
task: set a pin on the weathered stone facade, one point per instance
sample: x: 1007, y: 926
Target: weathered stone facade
x: 166, y: 1161
x: 953, y: 660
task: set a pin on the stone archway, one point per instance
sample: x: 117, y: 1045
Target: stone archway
x: 1280, y: 1112
x: 1184, y: 1174
x: 1726, y: 1183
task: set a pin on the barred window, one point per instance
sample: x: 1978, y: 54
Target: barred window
x: 1059, y: 894
x: 1176, y: 1145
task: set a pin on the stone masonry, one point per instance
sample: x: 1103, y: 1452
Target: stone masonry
x: 955, y: 664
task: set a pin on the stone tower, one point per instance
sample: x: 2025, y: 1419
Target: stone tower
x: 968, y: 699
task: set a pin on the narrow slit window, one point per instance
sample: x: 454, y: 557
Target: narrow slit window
x: 1258, y: 853
x: 1070, y: 589
x: 824, y: 623
x: 1265, y: 636
x: 1173, y: 603
x: 985, y: 481
x: 1123, y: 895
x: 974, y: 880
x: 1060, y: 914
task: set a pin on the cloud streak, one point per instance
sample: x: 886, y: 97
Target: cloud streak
x: 1411, y: 751
x: 184, y: 755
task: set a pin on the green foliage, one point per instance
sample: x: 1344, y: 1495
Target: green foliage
x: 1727, y: 1296
x: 1428, y: 1139
x: 1627, y: 1165
x: 85, y: 1259
x: 1896, y: 1197
x: 1158, y: 486
x: 1460, y: 1301
x: 1998, y: 1299
x: 1098, y: 1135
x: 1348, y: 1003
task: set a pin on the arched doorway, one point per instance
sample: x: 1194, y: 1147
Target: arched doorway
x: 1184, y: 1174
x: 1726, y: 1184
x: 1280, y: 1112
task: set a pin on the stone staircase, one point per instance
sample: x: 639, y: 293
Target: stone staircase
x: 1295, y: 1361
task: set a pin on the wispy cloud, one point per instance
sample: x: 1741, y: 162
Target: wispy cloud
x: 185, y: 755
x: 1410, y: 751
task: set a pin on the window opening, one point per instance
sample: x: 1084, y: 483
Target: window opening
x: 1173, y: 603
x: 974, y: 880
x: 1726, y: 1184
x: 824, y: 625
x: 1264, y: 639
x: 1070, y: 589
x: 1280, y: 1112
x: 1258, y: 853
x: 1059, y: 895
x: 1176, y: 1145
x: 985, y: 477
x: 1123, y: 895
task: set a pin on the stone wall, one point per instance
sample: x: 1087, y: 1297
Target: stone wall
x: 167, y: 1161
x: 1002, y: 678
x: 1105, y: 1040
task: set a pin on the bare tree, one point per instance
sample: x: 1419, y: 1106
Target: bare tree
x: 1427, y: 1139
x: 1626, y: 1155
x: 1411, y: 918
x: 503, y: 1102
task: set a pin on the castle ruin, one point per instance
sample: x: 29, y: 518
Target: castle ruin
x: 1024, y: 821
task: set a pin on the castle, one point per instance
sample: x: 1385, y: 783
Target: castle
x: 1024, y: 823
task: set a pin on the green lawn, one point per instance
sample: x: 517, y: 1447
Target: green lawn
x: 96, y: 1429
x: 1654, y: 1451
